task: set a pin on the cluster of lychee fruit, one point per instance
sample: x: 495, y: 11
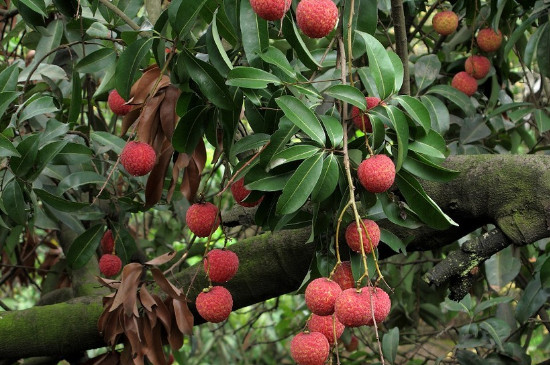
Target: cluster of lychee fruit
x: 109, y: 263
x: 315, y: 18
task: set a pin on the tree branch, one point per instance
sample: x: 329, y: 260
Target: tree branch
x: 401, y: 43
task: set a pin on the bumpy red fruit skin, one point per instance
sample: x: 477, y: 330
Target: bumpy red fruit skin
x: 376, y: 173
x: 320, y: 296
x: 270, y: 9
x: 110, y: 265
x: 488, y: 40
x: 116, y: 103
x: 221, y: 265
x: 138, y: 158
x: 316, y: 18
x: 477, y: 66
x: 344, y: 276
x: 465, y: 83
x: 326, y: 326
x: 351, y: 308
x: 353, y: 344
x: 240, y: 193
x: 107, y: 242
x: 352, y: 237
x: 358, y: 117
x: 202, y: 219
x: 309, y: 348
x: 381, y: 303
x: 445, y: 22
x: 215, y: 305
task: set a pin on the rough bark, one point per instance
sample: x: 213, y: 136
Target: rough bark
x: 401, y: 42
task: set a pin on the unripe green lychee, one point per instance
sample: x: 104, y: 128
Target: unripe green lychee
x: 270, y: 9
x: 309, y: 348
x: 240, y: 193
x: 138, y: 158
x: 376, y: 173
x: 214, y: 305
x: 110, y: 265
x: 477, y: 66
x: 202, y: 219
x: 344, y: 276
x: 488, y: 40
x: 352, y: 236
x: 445, y: 22
x: 221, y: 265
x: 327, y: 326
x: 465, y: 83
x: 117, y: 103
x: 320, y: 296
x: 361, y: 120
x: 316, y: 18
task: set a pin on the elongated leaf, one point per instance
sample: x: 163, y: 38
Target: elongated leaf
x: 502, y: 268
x: 216, y: 52
x: 328, y: 180
x: 294, y: 38
x: 28, y: 149
x: 474, y: 129
x: 453, y: 95
x: 14, y: 202
x: 390, y: 342
x: 398, y: 69
x: 426, y: 70
x: 59, y: 203
x: 416, y: 110
x: 439, y: 114
x: 401, y: 127
x: 275, y: 57
x: 8, y: 78
x: 278, y: 141
x: 266, y: 181
x: 293, y: 153
x: 182, y: 15
x: 543, y: 56
x: 333, y: 129
x: 485, y: 325
x: 427, y: 170
x: 255, y: 36
x: 394, y: 242
x: 6, y: 147
x: 543, y: 120
x: 83, y: 247
x: 189, y: 130
x: 6, y: 98
x: 76, y: 100
x: 531, y: 301
x: 250, y: 142
x: 96, y: 61
x: 349, y: 94
x: 77, y: 179
x: 129, y: 63
x: 251, y: 78
x: 300, y: 185
x: 41, y: 105
x: 380, y: 65
x: 302, y: 117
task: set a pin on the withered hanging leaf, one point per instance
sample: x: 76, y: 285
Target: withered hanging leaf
x: 153, y: 343
x: 143, y: 87
x: 149, y: 120
x: 108, y: 300
x: 152, y: 316
x: 163, y: 313
x: 128, y: 120
x: 109, y: 324
x: 184, y: 317
x: 192, y: 175
x: 155, y: 182
x: 113, y: 284
x: 162, y: 259
x: 175, y: 337
x: 146, y: 298
x: 199, y: 155
x: 165, y: 285
x: 181, y: 163
x: 127, y: 292
x: 134, y: 333
x: 168, y: 116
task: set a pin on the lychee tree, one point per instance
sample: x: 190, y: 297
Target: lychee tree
x: 167, y: 163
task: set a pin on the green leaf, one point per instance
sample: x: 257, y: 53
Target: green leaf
x: 531, y: 301
x: 8, y: 78
x: 545, y: 273
x: 252, y: 78
x: 426, y: 70
x: 426, y: 149
x: 83, y: 247
x: 129, y: 63
x: 290, y: 31
x: 125, y: 245
x: 502, y: 268
x: 439, y: 114
x: 474, y: 129
x: 216, y: 52
x: 491, y: 303
x: 302, y: 117
x: 28, y: 149
x: 509, y: 106
x: 250, y: 142
x: 275, y: 57
x: 390, y: 342
x: 394, y: 242
x: 416, y: 110
x: 457, y: 97
x: 38, y: 106
x: 348, y: 94
x: 543, y: 56
x: 328, y: 180
x: 293, y: 153
x: 189, y: 130
x: 255, y: 36
x: 401, y: 127
x: 96, y: 61
x: 485, y: 325
x: 209, y: 81
x: 77, y: 179
x: 14, y: 202
x: 182, y: 15
x: 300, y: 185
x: 36, y: 5
x: 278, y: 141
x: 266, y: 181
x: 398, y: 69
x: 333, y: 128
x: 380, y: 65
x: 59, y: 203
x: 426, y: 209
x: 76, y: 99
x: 6, y: 98
x: 542, y: 119
x: 6, y: 147
x: 45, y: 155
x: 426, y: 169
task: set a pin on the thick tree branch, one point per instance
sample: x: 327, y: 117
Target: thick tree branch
x: 401, y: 43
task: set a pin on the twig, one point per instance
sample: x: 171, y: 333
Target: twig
x: 121, y: 14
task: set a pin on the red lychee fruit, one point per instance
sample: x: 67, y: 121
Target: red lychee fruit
x: 352, y: 236
x: 316, y: 18
x: 358, y: 117
x: 202, y: 219
x: 353, y: 344
x: 110, y: 265
x: 445, y: 22
x: 214, y: 305
x: 351, y: 308
x: 376, y: 173
x: 221, y: 265
x: 309, y: 348
x: 381, y: 303
x: 170, y: 359
x: 270, y: 9
x: 117, y: 104
x: 107, y: 242
x: 344, y: 276
x: 138, y: 158
x: 320, y: 296
x: 477, y: 66
x: 465, y: 83
x: 488, y: 40
x: 327, y: 325
x: 240, y: 193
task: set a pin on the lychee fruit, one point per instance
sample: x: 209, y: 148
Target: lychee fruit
x: 488, y: 40
x: 110, y: 265
x: 445, y: 22
x: 240, y: 193
x: 465, y: 83
x: 316, y: 18
x: 381, y: 303
x: 202, y: 219
x: 477, y: 66
x: 376, y: 173
x: 138, y: 158
x: 270, y: 9
x: 214, y: 304
x: 309, y: 348
x: 352, y: 308
x: 360, y: 119
x: 344, y: 276
x: 327, y: 325
x: 353, y: 344
x: 221, y: 265
x: 370, y: 242
x: 320, y: 296
x: 117, y: 104
x: 107, y: 242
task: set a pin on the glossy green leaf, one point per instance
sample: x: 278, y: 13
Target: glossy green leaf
x: 380, y: 65
x: 302, y: 117
x: 266, y: 181
x: 77, y: 179
x: 491, y: 330
x: 6, y: 147
x: 426, y: 70
x: 125, y: 244
x: 328, y: 180
x: 502, y: 268
x: 453, y: 95
x: 8, y: 78
x: 38, y: 106
x: 59, y: 203
x: 255, y: 36
x: 531, y: 301
x: 416, y: 110
x: 293, y: 153
x: 394, y: 242
x: 28, y: 149
x: 45, y: 155
x: 426, y: 169
x: 76, y: 99
x: 6, y: 98
x: 36, y: 5
x: 509, y: 106
x: 84, y: 246
x: 390, y: 342
x: 474, y: 129
x: 216, y: 52
x: 543, y: 56
x: 129, y: 63
x: 491, y: 303
x: 292, y: 35
x: 300, y: 185
x: 542, y: 119
x: 439, y: 114
x: 276, y: 57
x: 189, y: 130
x: 108, y: 141
x: 14, y: 202
x: 96, y: 61
x: 426, y: 149
x: 348, y: 94
x: 278, y: 141
x: 333, y: 129
x: 398, y: 70
x: 182, y: 15
x: 250, y: 142
x: 250, y: 77
x: 401, y: 127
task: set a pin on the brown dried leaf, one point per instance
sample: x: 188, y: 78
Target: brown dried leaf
x: 128, y: 120
x: 143, y: 87
x: 181, y: 163
x: 184, y: 317
x: 155, y: 182
x: 199, y: 155
x: 113, y: 284
x: 168, y: 115
x: 191, y: 181
x: 163, y: 313
x: 175, y: 338
x: 162, y: 259
x: 153, y: 343
x: 127, y: 292
x: 149, y: 120
x: 146, y: 298
x: 133, y: 331
x: 165, y: 285
x: 109, y: 326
